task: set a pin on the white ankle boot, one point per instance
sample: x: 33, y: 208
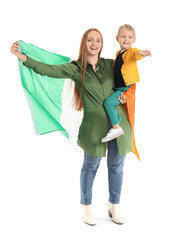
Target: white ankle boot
x: 114, y: 213
x: 87, y: 215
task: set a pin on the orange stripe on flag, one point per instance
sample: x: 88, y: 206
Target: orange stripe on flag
x: 130, y: 97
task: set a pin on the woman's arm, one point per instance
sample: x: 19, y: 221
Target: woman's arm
x: 66, y: 70
x: 55, y: 71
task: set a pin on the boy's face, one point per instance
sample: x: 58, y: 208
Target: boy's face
x: 125, y: 39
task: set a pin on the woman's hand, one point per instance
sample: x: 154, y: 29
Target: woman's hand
x: 122, y: 98
x: 15, y: 50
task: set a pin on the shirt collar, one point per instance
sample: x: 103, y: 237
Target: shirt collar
x: 100, y: 63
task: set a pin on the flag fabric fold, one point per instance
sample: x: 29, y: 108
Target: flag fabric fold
x: 49, y: 99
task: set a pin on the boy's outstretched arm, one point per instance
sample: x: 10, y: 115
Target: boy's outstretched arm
x: 146, y: 53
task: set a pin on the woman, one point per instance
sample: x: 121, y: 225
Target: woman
x: 93, y: 77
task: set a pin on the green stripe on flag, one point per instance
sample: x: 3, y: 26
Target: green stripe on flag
x: 44, y: 94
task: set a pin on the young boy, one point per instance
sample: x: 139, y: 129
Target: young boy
x: 125, y: 74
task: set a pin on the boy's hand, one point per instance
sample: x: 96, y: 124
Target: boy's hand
x: 122, y: 98
x: 146, y: 53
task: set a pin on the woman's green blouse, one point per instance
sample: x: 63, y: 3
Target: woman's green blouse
x: 97, y: 86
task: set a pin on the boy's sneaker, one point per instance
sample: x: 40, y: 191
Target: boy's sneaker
x: 113, y: 133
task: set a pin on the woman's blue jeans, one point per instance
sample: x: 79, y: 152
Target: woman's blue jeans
x: 115, y: 164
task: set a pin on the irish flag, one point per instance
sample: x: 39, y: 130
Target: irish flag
x: 49, y: 99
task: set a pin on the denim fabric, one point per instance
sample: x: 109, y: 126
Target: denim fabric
x: 115, y: 164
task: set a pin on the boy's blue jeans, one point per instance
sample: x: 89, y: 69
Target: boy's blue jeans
x: 115, y: 164
x: 111, y: 102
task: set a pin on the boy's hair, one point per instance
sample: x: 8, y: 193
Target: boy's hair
x: 128, y: 27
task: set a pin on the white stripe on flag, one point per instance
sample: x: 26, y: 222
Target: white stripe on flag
x: 70, y: 119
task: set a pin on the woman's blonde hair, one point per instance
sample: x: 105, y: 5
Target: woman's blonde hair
x: 83, y: 55
x: 128, y: 27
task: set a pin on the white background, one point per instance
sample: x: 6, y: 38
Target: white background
x: 39, y: 176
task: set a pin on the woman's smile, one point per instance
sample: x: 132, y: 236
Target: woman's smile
x: 93, y: 48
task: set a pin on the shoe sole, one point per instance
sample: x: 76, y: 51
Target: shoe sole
x: 113, y: 137
x: 90, y: 224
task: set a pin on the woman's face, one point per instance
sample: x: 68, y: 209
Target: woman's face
x: 93, y: 43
